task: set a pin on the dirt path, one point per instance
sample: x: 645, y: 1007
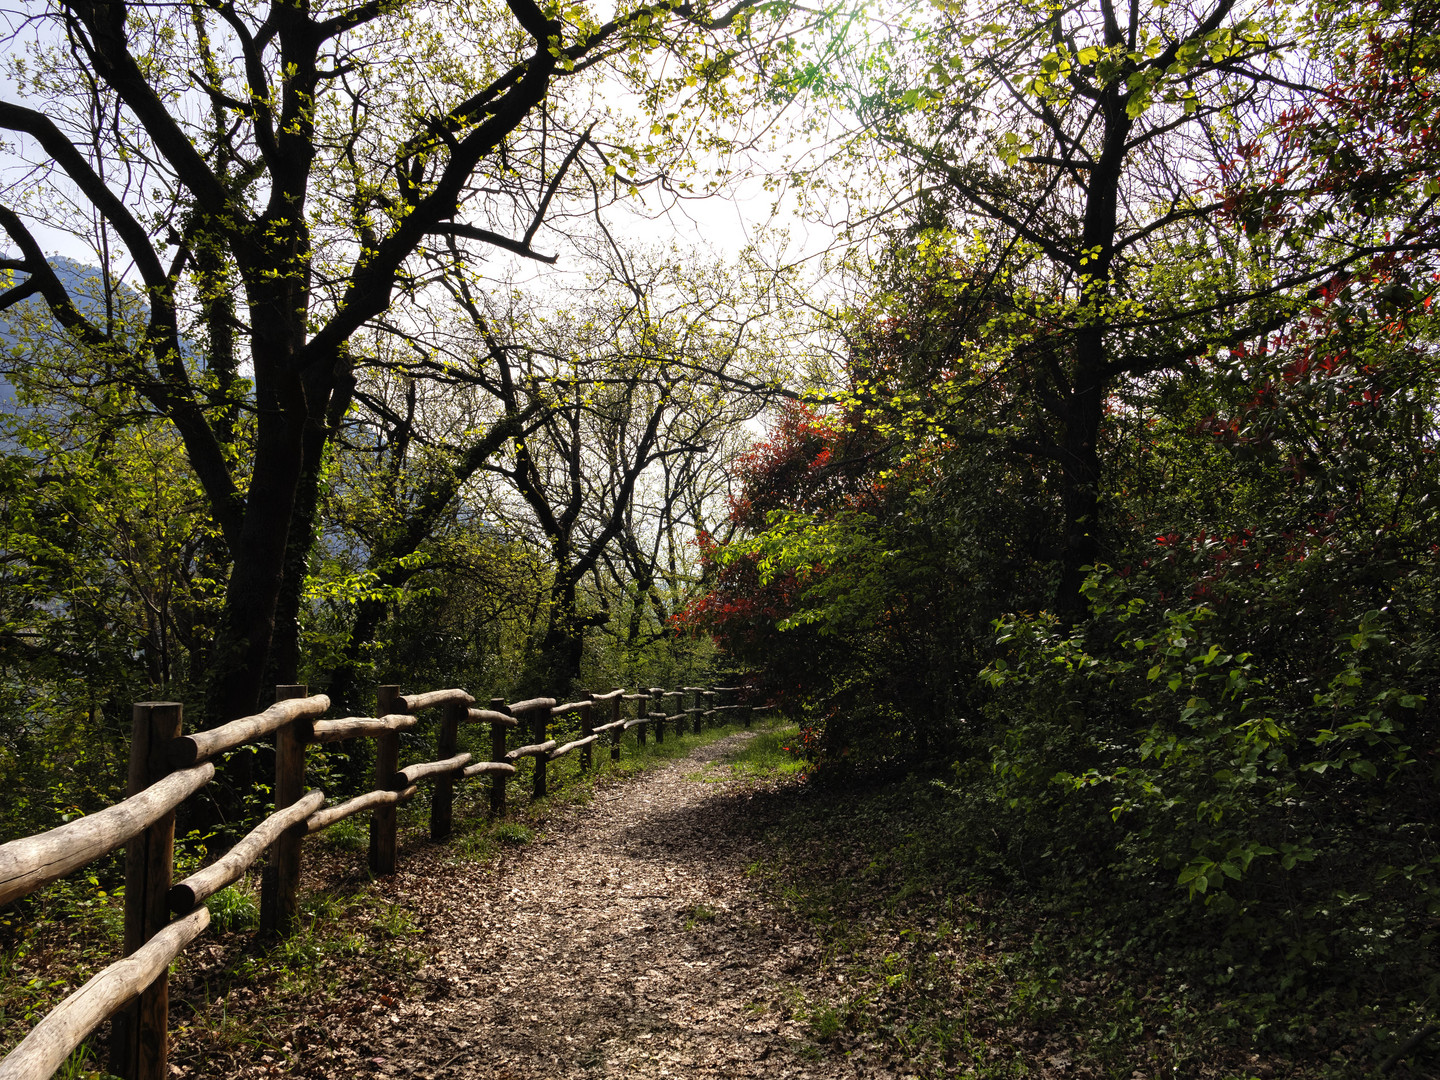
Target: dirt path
x: 626, y: 942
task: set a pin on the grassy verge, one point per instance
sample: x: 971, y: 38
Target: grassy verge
x: 768, y: 755
x: 944, y: 966
x: 69, y: 931
x: 231, y: 993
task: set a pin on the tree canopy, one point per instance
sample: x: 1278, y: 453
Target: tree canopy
x: 274, y: 178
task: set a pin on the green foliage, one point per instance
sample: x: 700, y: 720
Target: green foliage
x: 1242, y: 718
x: 698, y: 915
x: 347, y: 835
x: 512, y: 834
x: 110, y: 570
x: 771, y: 752
x: 234, y: 908
x: 50, y: 944
x: 869, y: 570
x: 1204, y: 759
x: 1126, y: 507
x: 395, y: 921
x: 825, y: 1022
x: 57, y: 768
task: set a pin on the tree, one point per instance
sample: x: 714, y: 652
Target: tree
x: 1072, y: 158
x: 655, y: 569
x: 1361, y: 146
x: 407, y: 457
x: 865, y: 563
x: 647, y: 371
x: 108, y: 570
x: 451, y: 386
x: 270, y: 177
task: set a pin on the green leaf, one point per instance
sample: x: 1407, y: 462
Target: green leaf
x: 1363, y: 769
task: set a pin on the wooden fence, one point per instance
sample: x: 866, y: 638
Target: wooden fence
x: 168, y: 766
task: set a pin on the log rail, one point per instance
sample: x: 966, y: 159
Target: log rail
x: 167, y: 767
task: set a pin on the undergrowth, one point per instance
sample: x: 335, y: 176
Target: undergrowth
x: 773, y: 752
x: 952, y: 959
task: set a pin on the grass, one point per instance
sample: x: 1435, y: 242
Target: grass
x: 50, y: 944
x: 235, y: 908
x: 347, y: 835
x: 698, y: 916
x: 641, y: 759
x: 826, y: 1023
x: 770, y: 754
x: 349, y: 945
x: 512, y: 833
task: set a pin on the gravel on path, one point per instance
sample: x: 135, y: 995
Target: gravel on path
x: 626, y: 941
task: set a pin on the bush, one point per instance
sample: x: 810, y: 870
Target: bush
x: 1290, y: 801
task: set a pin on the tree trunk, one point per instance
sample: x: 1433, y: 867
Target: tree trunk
x: 242, y: 655
x: 637, y: 620
x: 285, y: 648
x: 345, y: 683
x: 257, y: 571
x: 564, y: 642
x: 1080, y: 483
x: 327, y: 409
x: 1084, y: 405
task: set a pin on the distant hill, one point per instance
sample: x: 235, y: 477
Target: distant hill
x: 86, y: 286
x: 28, y: 322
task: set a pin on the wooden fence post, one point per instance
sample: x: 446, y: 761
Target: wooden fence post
x: 587, y: 728
x: 442, y: 796
x: 537, y: 735
x: 497, y: 753
x: 709, y: 696
x: 139, y: 1045
x: 615, y: 733
x: 656, y: 693
x: 387, y: 763
x: 642, y: 703
x: 280, y: 880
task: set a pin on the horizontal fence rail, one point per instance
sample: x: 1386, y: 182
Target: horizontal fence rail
x: 167, y: 767
x: 33, y: 861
